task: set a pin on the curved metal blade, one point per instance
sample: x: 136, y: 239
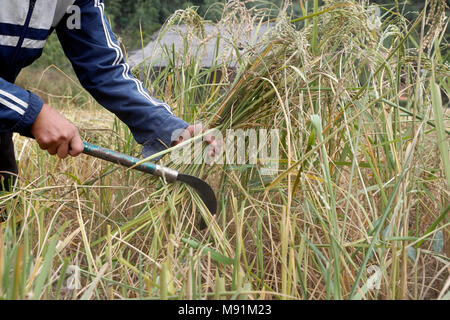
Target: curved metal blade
x: 203, y: 189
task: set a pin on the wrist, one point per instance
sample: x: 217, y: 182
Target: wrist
x: 23, y: 127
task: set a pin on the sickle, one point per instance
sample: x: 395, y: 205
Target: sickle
x: 201, y: 187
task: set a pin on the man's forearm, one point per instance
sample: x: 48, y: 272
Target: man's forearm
x: 100, y: 66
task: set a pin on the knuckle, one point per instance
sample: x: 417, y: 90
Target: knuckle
x: 44, y: 142
x: 50, y: 140
x: 65, y: 136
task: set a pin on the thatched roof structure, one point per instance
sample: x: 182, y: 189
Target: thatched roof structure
x: 211, y: 44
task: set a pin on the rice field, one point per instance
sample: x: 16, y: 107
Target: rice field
x: 357, y: 209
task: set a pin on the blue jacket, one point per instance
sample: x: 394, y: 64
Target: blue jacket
x: 96, y: 58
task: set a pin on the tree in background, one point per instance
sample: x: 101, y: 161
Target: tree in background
x: 130, y: 18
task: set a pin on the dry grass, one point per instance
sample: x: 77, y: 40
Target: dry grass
x: 361, y: 186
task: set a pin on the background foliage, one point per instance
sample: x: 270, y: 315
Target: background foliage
x: 362, y: 183
x: 135, y: 21
x: 128, y: 16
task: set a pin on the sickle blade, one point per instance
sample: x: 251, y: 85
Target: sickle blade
x: 203, y: 189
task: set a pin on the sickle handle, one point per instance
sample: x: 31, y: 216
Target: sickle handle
x: 129, y: 161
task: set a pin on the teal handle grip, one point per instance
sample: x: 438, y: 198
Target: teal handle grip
x: 119, y: 158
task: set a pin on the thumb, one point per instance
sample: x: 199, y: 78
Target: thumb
x: 76, y: 146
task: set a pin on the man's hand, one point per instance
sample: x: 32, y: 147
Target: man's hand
x: 56, y: 134
x: 194, y: 130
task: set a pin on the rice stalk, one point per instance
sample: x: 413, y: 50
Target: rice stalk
x: 361, y: 181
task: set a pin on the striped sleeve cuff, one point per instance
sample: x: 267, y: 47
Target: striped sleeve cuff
x: 29, y: 115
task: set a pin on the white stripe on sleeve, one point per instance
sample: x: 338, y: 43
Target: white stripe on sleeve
x: 14, y: 98
x: 9, y: 41
x: 12, y: 106
x: 33, y: 44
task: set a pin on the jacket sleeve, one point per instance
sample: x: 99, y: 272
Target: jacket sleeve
x: 18, y: 108
x: 99, y: 64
